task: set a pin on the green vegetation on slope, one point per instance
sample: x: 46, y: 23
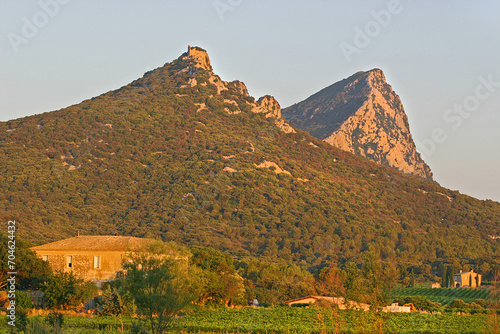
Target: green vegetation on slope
x: 147, y: 160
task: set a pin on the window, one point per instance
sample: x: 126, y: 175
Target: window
x: 45, y: 257
x: 97, y: 262
x: 69, y: 261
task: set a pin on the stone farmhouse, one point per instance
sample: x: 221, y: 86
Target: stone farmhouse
x: 96, y: 258
x: 468, y: 279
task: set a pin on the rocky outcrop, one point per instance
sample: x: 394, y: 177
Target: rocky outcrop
x: 200, y: 56
x: 273, y: 167
x: 271, y: 108
x: 362, y: 115
x: 240, y: 87
x: 268, y: 105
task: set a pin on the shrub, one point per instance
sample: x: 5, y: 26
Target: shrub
x: 137, y: 328
x: 301, y: 305
x: 458, y: 303
x: 65, y: 289
x: 481, y: 302
x: 56, y: 320
x: 36, y: 325
x: 23, y: 300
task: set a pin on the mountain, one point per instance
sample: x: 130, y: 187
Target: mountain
x: 182, y: 155
x: 364, y: 116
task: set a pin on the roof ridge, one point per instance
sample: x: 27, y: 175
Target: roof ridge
x: 92, y: 243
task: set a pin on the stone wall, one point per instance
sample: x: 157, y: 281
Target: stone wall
x: 83, y: 263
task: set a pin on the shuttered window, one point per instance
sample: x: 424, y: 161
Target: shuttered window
x: 97, y: 262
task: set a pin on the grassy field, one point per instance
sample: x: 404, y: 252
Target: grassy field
x: 444, y: 296
x: 281, y: 319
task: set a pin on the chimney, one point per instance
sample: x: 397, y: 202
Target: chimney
x: 77, y: 234
x: 460, y: 270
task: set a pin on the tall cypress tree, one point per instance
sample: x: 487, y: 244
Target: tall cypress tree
x: 451, y: 276
x: 444, y: 279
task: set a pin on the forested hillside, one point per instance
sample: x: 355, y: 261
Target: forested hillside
x: 184, y: 156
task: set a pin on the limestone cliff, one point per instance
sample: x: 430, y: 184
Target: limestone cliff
x: 362, y: 115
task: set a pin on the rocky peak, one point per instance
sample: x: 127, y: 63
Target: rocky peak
x: 362, y: 115
x: 200, y: 57
x: 375, y: 77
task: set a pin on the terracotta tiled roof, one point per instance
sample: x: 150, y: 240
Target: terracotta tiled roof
x: 94, y: 243
x: 336, y: 300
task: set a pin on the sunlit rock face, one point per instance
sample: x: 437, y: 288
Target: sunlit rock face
x: 364, y: 116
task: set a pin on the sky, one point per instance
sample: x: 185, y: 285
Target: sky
x: 441, y: 58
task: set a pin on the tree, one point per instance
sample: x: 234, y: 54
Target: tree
x: 451, y: 277
x: 222, y: 283
x: 444, y: 279
x: 31, y: 270
x: 330, y: 282
x: 66, y: 290
x: 161, y: 282
x: 351, y: 282
x: 376, y: 279
x: 116, y: 301
x: 271, y: 283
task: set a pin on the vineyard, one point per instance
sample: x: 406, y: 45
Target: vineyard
x: 283, y: 319
x: 444, y: 296
x: 327, y: 320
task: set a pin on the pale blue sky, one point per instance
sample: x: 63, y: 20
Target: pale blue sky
x: 434, y: 54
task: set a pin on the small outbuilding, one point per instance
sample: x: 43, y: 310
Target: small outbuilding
x: 339, y: 301
x: 395, y: 308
